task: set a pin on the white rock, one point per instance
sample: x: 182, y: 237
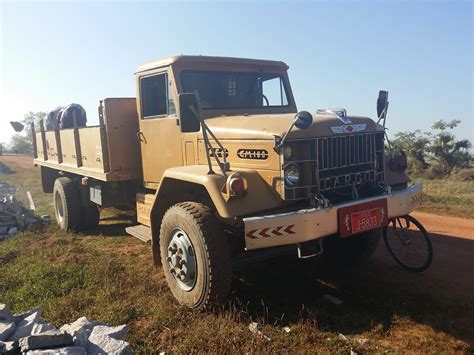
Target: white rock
x: 117, y: 333
x: 12, y: 230
x: 22, y: 316
x: 5, y: 313
x: 69, y: 350
x: 39, y: 328
x: 45, y: 340
x: 6, y: 330
x: 25, y: 326
x: 81, y: 324
x: 80, y: 338
x: 104, y: 344
x: 9, y: 347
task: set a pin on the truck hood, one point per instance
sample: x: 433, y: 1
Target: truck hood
x: 268, y: 126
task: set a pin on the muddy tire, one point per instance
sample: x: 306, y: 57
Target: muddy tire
x: 195, y: 255
x: 67, y: 204
x: 352, y: 250
x: 90, y: 217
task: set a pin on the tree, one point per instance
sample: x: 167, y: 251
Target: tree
x: 438, y: 151
x: 414, y: 145
x: 22, y: 143
x: 448, y: 152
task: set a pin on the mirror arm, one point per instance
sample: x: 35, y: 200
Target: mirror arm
x: 383, y: 115
x: 205, y: 130
x: 282, y: 140
x: 223, y: 166
x: 207, y: 146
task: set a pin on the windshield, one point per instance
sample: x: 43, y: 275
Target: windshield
x: 226, y: 89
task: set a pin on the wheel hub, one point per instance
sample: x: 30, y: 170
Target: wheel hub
x: 182, y: 259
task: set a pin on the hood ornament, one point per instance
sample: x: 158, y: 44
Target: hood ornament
x: 341, y: 113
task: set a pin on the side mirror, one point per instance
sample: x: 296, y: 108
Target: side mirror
x: 17, y: 126
x: 382, y: 103
x: 303, y: 120
x: 189, y: 117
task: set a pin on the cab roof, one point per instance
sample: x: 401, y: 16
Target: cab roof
x: 183, y: 59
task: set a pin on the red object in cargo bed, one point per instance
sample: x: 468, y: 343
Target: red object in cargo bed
x: 362, y: 217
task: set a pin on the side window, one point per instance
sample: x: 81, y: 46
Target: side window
x: 274, y: 91
x: 155, y: 100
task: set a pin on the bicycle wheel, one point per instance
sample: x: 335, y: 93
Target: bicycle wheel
x: 409, y: 243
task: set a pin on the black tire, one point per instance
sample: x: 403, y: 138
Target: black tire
x: 48, y: 177
x: 213, y: 271
x: 90, y: 217
x: 352, y: 250
x: 397, y: 230
x: 67, y: 204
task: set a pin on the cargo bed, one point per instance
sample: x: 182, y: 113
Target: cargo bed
x: 109, y: 151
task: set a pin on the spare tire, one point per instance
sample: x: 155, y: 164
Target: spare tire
x: 66, y: 116
x: 52, y: 119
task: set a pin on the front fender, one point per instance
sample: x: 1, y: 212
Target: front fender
x: 259, y: 196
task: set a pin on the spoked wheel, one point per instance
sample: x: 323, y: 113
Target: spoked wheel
x: 409, y: 243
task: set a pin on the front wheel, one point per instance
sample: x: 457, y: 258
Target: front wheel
x: 195, y: 255
x: 408, y: 243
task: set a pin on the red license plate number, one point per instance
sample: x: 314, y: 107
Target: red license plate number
x: 363, y: 217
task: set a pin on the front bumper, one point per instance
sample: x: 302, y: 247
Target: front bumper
x: 310, y: 224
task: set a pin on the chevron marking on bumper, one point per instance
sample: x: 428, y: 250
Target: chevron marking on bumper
x: 271, y: 232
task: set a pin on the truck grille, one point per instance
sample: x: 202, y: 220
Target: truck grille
x: 335, y: 164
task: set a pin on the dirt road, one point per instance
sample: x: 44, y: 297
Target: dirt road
x: 451, y: 274
x: 22, y: 160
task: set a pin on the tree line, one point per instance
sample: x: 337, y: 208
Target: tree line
x: 434, y: 154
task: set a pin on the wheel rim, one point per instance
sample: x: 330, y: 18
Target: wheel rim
x: 408, y: 243
x: 182, y: 259
x: 59, y: 208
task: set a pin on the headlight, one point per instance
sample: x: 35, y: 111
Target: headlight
x: 287, y: 152
x: 292, y: 175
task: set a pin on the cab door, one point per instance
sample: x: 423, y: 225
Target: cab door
x: 159, y: 135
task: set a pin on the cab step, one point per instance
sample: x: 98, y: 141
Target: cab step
x: 140, y: 231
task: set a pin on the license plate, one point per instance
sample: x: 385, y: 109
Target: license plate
x: 362, y: 217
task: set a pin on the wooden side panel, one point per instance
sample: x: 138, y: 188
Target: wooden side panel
x: 91, y: 148
x: 51, y: 146
x: 121, y: 120
x: 68, y: 147
x: 39, y: 146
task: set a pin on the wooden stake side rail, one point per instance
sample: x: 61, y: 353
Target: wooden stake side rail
x: 85, y: 150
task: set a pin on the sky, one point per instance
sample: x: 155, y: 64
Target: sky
x: 340, y: 53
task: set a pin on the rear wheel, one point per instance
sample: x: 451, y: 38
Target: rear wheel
x: 195, y: 255
x: 67, y: 204
x: 351, y: 250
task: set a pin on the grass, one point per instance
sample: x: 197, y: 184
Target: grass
x: 451, y: 197
x: 109, y: 277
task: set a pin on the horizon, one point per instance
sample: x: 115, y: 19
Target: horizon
x: 340, y: 54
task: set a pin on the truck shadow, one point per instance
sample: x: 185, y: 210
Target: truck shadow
x: 287, y: 291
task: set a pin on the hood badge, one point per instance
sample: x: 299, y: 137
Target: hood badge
x: 255, y: 154
x: 351, y: 128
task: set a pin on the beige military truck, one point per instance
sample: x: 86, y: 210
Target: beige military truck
x: 222, y: 170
